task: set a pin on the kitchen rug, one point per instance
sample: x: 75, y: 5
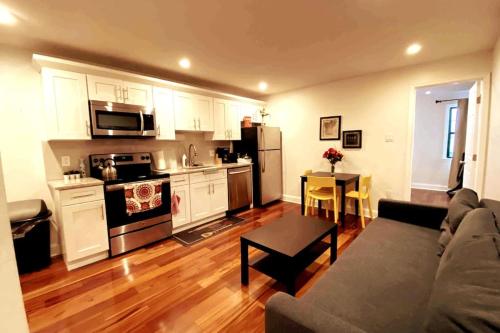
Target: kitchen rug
x: 207, y: 230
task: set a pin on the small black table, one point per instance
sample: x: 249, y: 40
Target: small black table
x: 342, y: 180
x: 292, y: 243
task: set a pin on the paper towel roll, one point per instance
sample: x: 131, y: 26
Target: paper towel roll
x: 159, y: 162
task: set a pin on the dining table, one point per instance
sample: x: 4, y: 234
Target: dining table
x: 342, y: 180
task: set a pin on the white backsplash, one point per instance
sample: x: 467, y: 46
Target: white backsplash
x: 54, y: 150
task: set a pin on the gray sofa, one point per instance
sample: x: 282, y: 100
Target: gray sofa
x: 395, y: 277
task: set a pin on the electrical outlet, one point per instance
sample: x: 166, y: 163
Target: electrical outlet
x: 65, y: 161
x: 389, y: 138
x: 211, y: 152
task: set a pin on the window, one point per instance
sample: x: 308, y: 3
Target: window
x: 450, y: 138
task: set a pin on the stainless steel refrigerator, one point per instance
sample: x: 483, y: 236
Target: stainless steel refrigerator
x: 263, y: 145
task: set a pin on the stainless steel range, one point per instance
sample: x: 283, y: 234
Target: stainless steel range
x: 137, y: 202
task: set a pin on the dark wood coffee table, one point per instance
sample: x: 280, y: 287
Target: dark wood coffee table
x: 292, y: 243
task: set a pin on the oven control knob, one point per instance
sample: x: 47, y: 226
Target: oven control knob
x: 147, y: 157
x: 143, y: 158
x: 96, y: 160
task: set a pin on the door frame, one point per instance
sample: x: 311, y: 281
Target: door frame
x: 482, y: 135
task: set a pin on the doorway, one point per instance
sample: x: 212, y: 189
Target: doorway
x: 445, y: 140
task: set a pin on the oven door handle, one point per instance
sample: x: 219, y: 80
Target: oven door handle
x: 121, y: 186
x: 142, y: 123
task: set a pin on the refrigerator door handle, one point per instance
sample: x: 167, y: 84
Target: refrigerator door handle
x: 264, y: 151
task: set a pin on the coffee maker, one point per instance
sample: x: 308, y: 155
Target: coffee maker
x: 224, y: 154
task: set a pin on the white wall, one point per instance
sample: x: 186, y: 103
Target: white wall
x: 376, y: 103
x: 431, y: 168
x: 492, y: 179
x: 12, y: 313
x: 28, y: 162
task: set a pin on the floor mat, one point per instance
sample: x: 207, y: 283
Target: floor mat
x: 207, y: 230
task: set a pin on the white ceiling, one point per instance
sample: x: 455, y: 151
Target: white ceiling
x: 288, y: 43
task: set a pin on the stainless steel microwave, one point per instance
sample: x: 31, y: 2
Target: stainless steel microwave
x: 121, y: 120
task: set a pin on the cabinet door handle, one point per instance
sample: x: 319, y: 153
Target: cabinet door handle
x: 158, y: 131
x: 208, y: 188
x: 194, y: 121
x: 199, y: 124
x: 230, y: 133
x: 102, y: 212
x: 213, y: 188
x: 87, y: 127
x: 125, y: 94
x: 82, y: 195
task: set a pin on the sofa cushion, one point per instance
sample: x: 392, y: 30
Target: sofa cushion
x: 462, y: 202
x: 466, y: 294
x: 383, y: 281
x: 478, y: 222
x: 494, y: 206
x: 445, y: 236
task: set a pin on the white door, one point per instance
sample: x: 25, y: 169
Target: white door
x: 219, y: 199
x: 85, y: 229
x: 66, y: 104
x: 220, y: 130
x: 200, y: 194
x: 137, y: 94
x: 471, y: 142
x: 105, y: 89
x: 204, y: 112
x: 183, y: 111
x: 164, y: 110
x: 184, y: 215
x: 233, y: 121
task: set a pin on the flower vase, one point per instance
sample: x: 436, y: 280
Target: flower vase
x: 333, y: 169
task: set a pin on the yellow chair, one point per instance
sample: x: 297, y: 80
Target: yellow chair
x: 365, y: 185
x: 321, y: 189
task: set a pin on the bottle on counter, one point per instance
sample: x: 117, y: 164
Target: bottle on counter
x: 83, y: 172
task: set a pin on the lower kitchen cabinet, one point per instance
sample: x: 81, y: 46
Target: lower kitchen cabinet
x: 81, y: 222
x: 85, y: 229
x: 200, y: 200
x: 208, y: 198
x: 183, y: 216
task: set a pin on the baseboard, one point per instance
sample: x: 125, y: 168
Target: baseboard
x: 431, y: 187
x: 291, y: 198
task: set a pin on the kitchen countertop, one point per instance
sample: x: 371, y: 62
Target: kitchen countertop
x: 181, y: 171
x: 82, y: 182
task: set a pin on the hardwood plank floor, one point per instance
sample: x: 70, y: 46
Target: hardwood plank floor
x: 167, y: 287
x: 429, y: 197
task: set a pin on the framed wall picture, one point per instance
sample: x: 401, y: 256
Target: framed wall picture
x: 329, y: 128
x: 351, y: 139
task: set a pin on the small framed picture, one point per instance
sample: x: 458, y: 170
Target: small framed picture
x: 329, y: 128
x: 351, y: 139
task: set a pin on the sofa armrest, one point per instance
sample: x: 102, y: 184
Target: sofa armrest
x: 285, y: 314
x: 423, y: 215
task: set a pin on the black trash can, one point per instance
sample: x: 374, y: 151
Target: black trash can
x: 30, y: 224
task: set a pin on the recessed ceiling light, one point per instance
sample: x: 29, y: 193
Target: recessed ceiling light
x: 6, y: 16
x: 263, y: 86
x: 185, y: 63
x: 428, y: 92
x: 413, y: 49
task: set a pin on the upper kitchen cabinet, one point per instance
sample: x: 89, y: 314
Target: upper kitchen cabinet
x: 193, y: 112
x: 113, y: 90
x: 66, y: 105
x: 164, y: 110
x: 226, y: 120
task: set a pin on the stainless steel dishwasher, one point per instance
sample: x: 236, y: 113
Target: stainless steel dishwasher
x: 239, y: 182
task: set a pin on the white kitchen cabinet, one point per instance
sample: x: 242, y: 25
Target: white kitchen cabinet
x: 105, y: 89
x: 193, y: 112
x: 164, y: 110
x: 219, y: 197
x: 183, y: 216
x: 200, y: 200
x: 85, y: 229
x: 227, y: 121
x: 114, y: 90
x: 209, y: 197
x: 137, y: 93
x: 66, y: 105
x: 80, y: 215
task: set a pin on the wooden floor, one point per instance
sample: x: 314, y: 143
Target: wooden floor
x: 429, y: 197
x: 167, y: 287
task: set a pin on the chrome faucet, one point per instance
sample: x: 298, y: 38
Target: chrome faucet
x: 191, y: 157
